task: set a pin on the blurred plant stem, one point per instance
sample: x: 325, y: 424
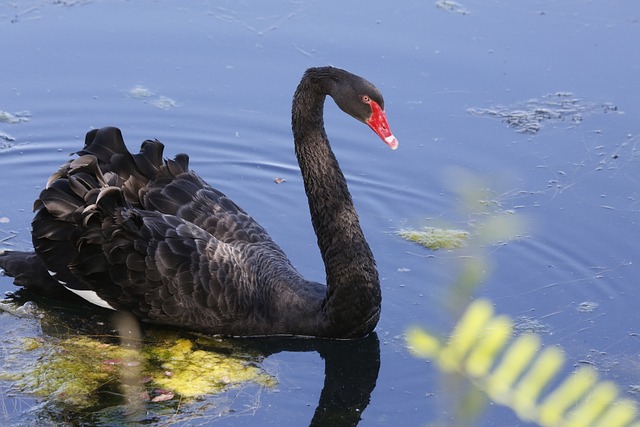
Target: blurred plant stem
x: 131, y: 372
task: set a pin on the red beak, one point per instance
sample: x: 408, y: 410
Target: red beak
x: 378, y: 122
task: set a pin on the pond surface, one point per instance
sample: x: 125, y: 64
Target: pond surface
x: 528, y: 110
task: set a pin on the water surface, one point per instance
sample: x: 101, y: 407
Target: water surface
x: 215, y: 80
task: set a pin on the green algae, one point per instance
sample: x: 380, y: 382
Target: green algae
x: 177, y: 366
x: 436, y: 238
x: 69, y: 371
x: 81, y: 372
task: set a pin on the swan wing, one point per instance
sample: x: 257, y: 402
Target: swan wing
x: 167, y: 270
x: 137, y: 232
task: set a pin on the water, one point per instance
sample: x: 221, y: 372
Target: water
x: 215, y: 79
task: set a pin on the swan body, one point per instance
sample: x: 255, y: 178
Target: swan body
x: 142, y: 234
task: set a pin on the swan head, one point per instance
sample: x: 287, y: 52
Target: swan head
x: 378, y: 122
x: 362, y: 101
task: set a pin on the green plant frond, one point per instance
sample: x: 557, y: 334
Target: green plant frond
x: 515, y: 372
x: 421, y: 344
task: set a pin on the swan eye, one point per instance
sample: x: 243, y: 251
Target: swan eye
x: 366, y: 99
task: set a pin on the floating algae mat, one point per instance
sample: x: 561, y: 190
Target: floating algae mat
x: 70, y: 371
x: 176, y: 365
x: 436, y: 238
x: 83, y: 372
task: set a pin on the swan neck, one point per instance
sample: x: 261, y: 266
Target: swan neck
x: 353, y: 290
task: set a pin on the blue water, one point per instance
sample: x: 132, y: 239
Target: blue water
x: 215, y: 80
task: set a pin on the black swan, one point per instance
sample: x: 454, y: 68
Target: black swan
x: 137, y: 233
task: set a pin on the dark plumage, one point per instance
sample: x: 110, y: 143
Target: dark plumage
x: 138, y: 233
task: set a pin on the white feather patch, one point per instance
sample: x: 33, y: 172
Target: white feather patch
x: 92, y: 297
x: 53, y: 274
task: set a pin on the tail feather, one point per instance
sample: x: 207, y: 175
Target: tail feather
x: 149, y: 160
x: 27, y: 270
x: 104, y: 144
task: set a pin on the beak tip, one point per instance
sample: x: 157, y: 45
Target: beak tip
x: 391, y: 141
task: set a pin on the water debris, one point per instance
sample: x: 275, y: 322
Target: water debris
x: 6, y: 137
x: 24, y: 10
x: 303, y: 51
x: 28, y: 309
x: 162, y: 396
x: 140, y: 92
x: 278, y: 180
x: 19, y: 117
x: 8, y: 235
x: 525, y: 324
x: 164, y: 102
x: 436, y: 238
x: 529, y: 117
x: 587, y: 306
x: 149, y: 96
x: 452, y: 6
x: 6, y: 140
x: 27, y: 14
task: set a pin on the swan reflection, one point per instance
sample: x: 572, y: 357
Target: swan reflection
x: 70, y: 365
